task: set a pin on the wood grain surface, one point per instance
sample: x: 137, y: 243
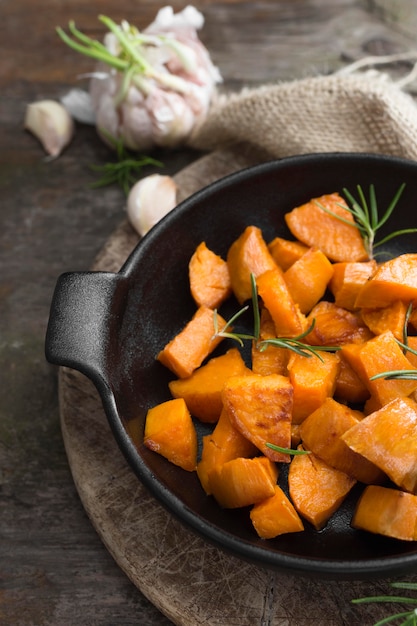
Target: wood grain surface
x: 54, y: 568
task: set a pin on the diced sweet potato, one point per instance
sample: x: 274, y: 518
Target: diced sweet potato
x: 316, y: 227
x: 260, y: 407
x: 202, y: 390
x: 348, y: 278
x: 335, y: 326
x: 349, y: 386
x: 378, y: 355
x: 272, y: 359
x: 286, y: 314
x: 307, y: 279
x: 248, y: 255
x: 391, y: 317
x: 395, y: 279
x: 209, y: 277
x: 322, y: 433
x: 313, y: 380
x: 223, y: 444
x: 388, y: 438
x: 183, y: 354
x: 285, y: 252
x: 316, y: 489
x: 387, y: 512
x: 169, y: 430
x: 275, y: 516
x: 242, y: 482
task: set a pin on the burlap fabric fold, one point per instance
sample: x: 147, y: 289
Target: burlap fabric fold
x: 351, y: 113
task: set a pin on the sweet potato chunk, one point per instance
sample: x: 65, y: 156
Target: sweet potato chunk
x: 286, y: 252
x: 391, y: 317
x: 349, y: 386
x: 272, y: 288
x: 335, y: 326
x: 169, y: 430
x: 315, y: 227
x: 209, y: 277
x: 347, y: 280
x: 395, y: 279
x: 202, y: 390
x: 260, y: 408
x: 275, y: 516
x: 223, y: 444
x: 242, y: 482
x: 307, y: 279
x: 388, y: 438
x: 313, y: 380
x: 183, y: 354
x: 272, y: 359
x: 316, y: 489
x: 387, y: 512
x: 378, y: 355
x: 248, y: 255
x: 322, y: 433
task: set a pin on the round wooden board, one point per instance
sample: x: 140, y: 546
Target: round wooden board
x: 188, y: 580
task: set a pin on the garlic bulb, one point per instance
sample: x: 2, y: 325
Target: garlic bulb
x: 150, y: 87
x: 149, y: 200
x: 51, y: 123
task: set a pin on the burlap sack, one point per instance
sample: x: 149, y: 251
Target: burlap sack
x: 352, y: 113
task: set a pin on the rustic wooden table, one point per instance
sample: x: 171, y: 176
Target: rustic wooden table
x: 54, y: 569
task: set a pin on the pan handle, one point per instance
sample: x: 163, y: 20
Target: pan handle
x: 85, y: 307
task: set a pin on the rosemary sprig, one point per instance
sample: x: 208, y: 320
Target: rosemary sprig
x: 366, y: 215
x: 287, y: 450
x: 125, y: 171
x: 409, y: 617
x: 401, y: 374
x: 291, y: 343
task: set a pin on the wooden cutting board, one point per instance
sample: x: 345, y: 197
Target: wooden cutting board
x: 189, y: 581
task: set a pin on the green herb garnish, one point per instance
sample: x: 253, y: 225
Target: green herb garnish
x: 291, y: 343
x: 401, y: 374
x: 409, y: 617
x: 125, y: 171
x: 366, y: 215
x: 287, y: 450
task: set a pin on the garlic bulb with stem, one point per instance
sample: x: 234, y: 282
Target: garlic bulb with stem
x: 51, y: 123
x: 149, y: 200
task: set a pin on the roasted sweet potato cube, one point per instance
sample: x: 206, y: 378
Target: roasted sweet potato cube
x: 322, y: 433
x: 313, y: 225
x: 349, y: 386
x: 271, y: 359
x: 316, y: 489
x: 202, y: 391
x: 286, y: 252
x: 395, y: 279
x: 242, y: 482
x: 307, y: 279
x: 286, y: 314
x: 388, y: 438
x: 248, y: 255
x: 378, y: 355
x: 260, y: 407
x: 335, y: 326
x: 209, y: 277
x: 313, y: 379
x: 223, y: 444
x: 183, y: 354
x: 391, y: 317
x: 388, y: 512
x: 275, y: 516
x: 169, y: 430
x: 348, y: 278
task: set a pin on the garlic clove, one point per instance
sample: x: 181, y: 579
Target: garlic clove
x: 149, y: 200
x: 51, y: 123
